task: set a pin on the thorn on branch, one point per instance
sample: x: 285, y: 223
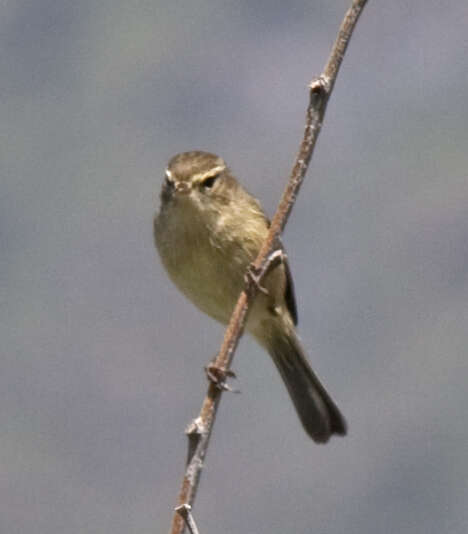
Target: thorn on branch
x: 185, y: 511
x: 319, y: 88
x: 195, y: 427
x: 194, y: 432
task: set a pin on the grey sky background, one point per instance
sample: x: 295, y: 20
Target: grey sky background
x: 102, y: 360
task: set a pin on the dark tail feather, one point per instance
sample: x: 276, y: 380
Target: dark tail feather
x: 319, y: 415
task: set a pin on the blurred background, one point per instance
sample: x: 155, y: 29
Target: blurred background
x: 102, y: 359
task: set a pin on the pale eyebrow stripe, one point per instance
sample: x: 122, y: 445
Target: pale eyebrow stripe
x: 212, y: 172
x: 169, y: 174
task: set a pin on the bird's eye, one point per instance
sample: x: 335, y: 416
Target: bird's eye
x: 209, y: 182
x: 169, y: 183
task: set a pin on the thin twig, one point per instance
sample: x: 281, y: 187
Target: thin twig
x: 199, y: 431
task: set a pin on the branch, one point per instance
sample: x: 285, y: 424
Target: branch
x: 199, y: 431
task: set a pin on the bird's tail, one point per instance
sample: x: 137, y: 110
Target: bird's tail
x: 319, y: 415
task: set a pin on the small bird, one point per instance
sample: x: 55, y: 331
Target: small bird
x: 208, y: 232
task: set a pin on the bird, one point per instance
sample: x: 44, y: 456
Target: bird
x: 208, y: 231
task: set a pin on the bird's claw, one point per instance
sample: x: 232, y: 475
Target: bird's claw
x: 255, y: 274
x: 218, y: 376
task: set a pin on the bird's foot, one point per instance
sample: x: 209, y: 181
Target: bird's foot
x: 218, y: 376
x: 254, y: 275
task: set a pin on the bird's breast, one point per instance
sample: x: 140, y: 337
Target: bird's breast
x: 204, y: 259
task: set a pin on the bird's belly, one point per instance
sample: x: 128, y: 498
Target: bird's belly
x: 211, y: 277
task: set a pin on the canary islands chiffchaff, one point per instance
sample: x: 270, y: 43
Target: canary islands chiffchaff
x: 208, y: 231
